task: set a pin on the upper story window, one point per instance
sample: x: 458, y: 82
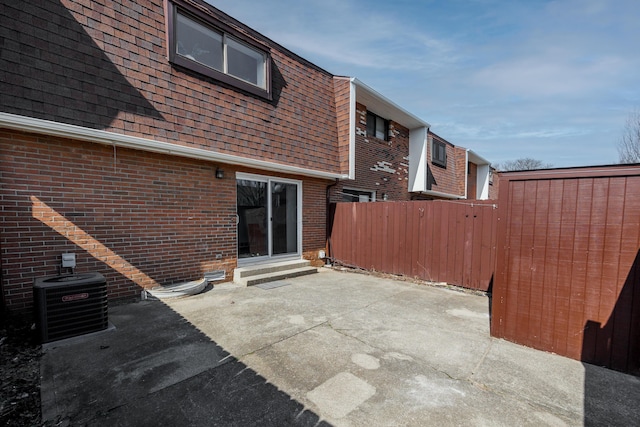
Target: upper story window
x: 210, y: 48
x: 377, y: 126
x: 438, y: 153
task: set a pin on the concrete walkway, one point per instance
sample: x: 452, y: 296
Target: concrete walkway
x: 333, y: 348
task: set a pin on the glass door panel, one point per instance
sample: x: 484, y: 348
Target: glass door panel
x: 284, y: 214
x: 253, y: 232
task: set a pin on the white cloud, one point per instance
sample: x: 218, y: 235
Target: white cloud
x: 346, y: 33
x: 550, y: 75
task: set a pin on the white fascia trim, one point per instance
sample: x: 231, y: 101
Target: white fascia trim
x: 476, y: 158
x: 386, y: 100
x: 483, y: 182
x: 418, y: 167
x: 46, y: 127
x: 352, y: 130
x: 439, y: 194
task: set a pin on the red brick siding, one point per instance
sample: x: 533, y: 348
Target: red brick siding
x: 139, y: 218
x: 314, y: 219
x: 449, y: 180
x: 103, y: 64
x: 461, y: 169
x: 342, y: 89
x: 472, y: 181
x: 381, y: 166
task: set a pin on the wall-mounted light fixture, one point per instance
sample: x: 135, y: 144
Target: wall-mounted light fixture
x: 219, y: 173
x: 385, y: 196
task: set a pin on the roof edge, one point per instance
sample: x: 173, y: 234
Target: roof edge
x: 387, y: 101
x: 64, y: 130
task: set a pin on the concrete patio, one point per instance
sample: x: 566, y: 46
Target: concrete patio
x: 333, y: 348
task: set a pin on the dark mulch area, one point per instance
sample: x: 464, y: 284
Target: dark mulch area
x: 19, y: 372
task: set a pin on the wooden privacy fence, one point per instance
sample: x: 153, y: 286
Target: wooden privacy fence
x: 568, y: 268
x: 440, y: 241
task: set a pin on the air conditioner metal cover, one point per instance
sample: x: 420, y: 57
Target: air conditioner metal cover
x: 70, y: 305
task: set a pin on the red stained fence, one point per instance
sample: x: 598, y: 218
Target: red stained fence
x: 565, y: 244
x: 441, y: 241
x: 568, y: 264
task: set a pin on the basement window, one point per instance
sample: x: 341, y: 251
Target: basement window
x: 201, y: 44
x: 377, y: 127
x: 438, y: 153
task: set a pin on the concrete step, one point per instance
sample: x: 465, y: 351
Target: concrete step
x: 256, y: 275
x: 273, y: 267
x: 279, y: 275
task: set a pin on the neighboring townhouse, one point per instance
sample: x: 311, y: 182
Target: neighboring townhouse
x: 396, y: 156
x: 158, y: 141
x: 388, y: 145
x: 161, y: 141
x: 457, y: 172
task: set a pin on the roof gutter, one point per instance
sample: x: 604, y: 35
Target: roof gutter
x: 46, y: 127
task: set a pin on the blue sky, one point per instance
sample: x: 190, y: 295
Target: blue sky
x: 552, y: 80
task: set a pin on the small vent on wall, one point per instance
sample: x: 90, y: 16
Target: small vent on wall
x: 212, y: 276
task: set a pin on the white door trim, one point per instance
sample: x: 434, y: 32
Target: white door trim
x: 269, y: 179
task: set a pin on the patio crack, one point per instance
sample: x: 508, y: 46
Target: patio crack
x: 264, y: 347
x: 468, y: 379
x: 326, y: 322
x: 343, y: 333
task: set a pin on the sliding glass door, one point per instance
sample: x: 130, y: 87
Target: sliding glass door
x: 269, y: 213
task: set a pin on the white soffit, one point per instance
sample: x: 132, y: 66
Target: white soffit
x: 385, y: 108
x: 477, y: 159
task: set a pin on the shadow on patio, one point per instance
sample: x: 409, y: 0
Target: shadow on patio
x: 158, y: 369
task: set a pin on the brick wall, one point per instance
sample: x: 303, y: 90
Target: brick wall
x: 103, y: 64
x: 139, y: 218
x: 449, y: 180
x: 472, y: 181
x: 381, y: 166
x: 342, y: 89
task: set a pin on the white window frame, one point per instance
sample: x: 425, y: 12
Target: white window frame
x: 269, y: 179
x: 187, y: 11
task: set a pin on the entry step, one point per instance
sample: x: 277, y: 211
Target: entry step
x: 263, y: 273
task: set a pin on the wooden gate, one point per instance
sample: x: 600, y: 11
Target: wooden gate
x: 568, y: 263
x: 441, y: 241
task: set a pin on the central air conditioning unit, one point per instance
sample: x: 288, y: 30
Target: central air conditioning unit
x: 70, y: 305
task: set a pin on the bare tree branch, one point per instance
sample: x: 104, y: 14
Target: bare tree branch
x: 523, y: 164
x: 629, y: 144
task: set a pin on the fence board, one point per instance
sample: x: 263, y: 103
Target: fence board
x: 568, y: 273
x: 442, y: 241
